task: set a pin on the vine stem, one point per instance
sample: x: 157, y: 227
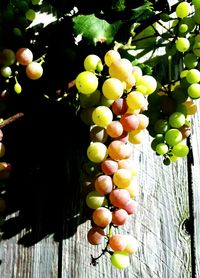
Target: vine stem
x: 11, y: 119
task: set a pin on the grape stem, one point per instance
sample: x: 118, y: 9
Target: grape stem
x: 11, y: 119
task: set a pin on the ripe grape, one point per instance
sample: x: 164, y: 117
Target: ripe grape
x: 109, y: 166
x: 95, y: 200
x: 98, y: 134
x: 191, y: 107
x: 182, y: 44
x: 114, y: 129
x: 135, y: 100
x: 173, y: 136
x: 143, y: 121
x: 149, y: 82
x: 102, y: 116
x: 92, y: 62
x: 120, y: 259
x: 180, y: 150
x: 129, y: 122
x: 102, y: 217
x: 136, y: 136
x: 123, y: 137
x: 133, y: 189
x: 119, y: 106
x: 194, y: 90
x: 103, y: 184
x: 177, y: 119
x: 112, y: 88
x: 137, y: 72
x: 130, y: 165
x: 111, y: 56
x: 122, y: 178
x: 86, y: 82
x: 118, y: 150
x: 97, y: 152
x: 132, y: 244
x: 118, y: 242
x: 34, y: 70
x: 119, y: 217
x: 24, y: 56
x: 119, y: 197
x: 95, y: 235
x: 183, y: 9
x: 131, y: 207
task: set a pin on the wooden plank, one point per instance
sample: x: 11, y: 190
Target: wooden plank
x: 195, y: 186
x: 158, y: 225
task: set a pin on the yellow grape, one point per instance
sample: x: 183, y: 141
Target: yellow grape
x: 111, y: 56
x: 135, y: 100
x: 112, y: 88
x: 122, y: 178
x: 86, y: 82
x: 102, y: 116
x: 97, y: 152
x: 120, y: 259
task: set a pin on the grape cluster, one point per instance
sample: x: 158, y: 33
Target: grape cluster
x: 18, y: 14
x: 113, y: 96
x: 10, y: 60
x: 171, y: 122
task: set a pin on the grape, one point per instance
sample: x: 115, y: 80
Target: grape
x: 129, y: 122
x: 162, y: 148
x: 24, y: 56
x: 119, y: 197
x: 17, y: 88
x: 34, y: 70
x: 120, y: 259
x: 177, y: 119
x: 118, y: 242
x: 183, y: 9
x: 196, y: 4
x: 92, y: 62
x: 193, y: 76
x: 7, y: 57
x: 119, y: 106
x: 6, y: 71
x: 185, y: 131
x: 122, y: 178
x: 103, y: 184
x: 123, y: 137
x: 173, y: 136
x: 130, y: 165
x: 95, y: 200
x: 95, y: 235
x: 197, y: 16
x: 182, y: 44
x: 183, y: 28
x: 2, y: 150
x: 148, y: 82
x: 118, y: 150
x: 180, y: 150
x: 35, y: 2
x: 112, y: 88
x: 137, y: 72
x: 102, y: 116
x: 111, y: 56
x: 132, y: 244
x: 105, y: 102
x: 179, y: 94
x: 191, y: 107
x: 143, y: 121
x: 30, y: 14
x: 86, y: 116
x: 86, y: 82
x: 114, y: 129
x: 190, y: 60
x: 196, y: 49
x: 131, y: 207
x: 194, y: 91
x: 135, y: 100
x: 161, y: 126
x: 89, y: 100
x: 119, y: 217
x: 97, y: 152
x: 109, y: 166
x: 102, y: 217
x: 135, y: 136
x: 17, y: 32
x: 158, y: 139
x: 98, y: 134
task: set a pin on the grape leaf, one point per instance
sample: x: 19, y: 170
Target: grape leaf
x: 143, y: 12
x: 94, y: 29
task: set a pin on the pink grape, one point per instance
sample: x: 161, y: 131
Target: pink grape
x: 118, y: 150
x: 119, y: 106
x: 114, y: 129
x: 132, y: 244
x: 119, y: 197
x: 131, y: 207
x: 103, y: 184
x: 118, y: 242
x: 129, y: 122
x: 123, y: 137
x: 119, y: 217
x: 34, y: 70
x: 24, y: 56
x: 102, y: 217
x: 95, y: 235
x: 143, y: 121
x: 109, y: 166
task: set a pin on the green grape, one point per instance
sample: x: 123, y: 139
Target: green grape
x: 183, y: 9
x: 190, y: 60
x: 102, y: 116
x: 189, y: 21
x: 89, y: 100
x: 194, y: 91
x: 7, y: 57
x: 30, y: 15
x: 183, y: 28
x: 180, y: 150
x: 35, y: 2
x: 6, y: 71
x: 105, y: 102
x: 193, y: 76
x: 92, y: 62
x: 182, y: 44
x: 197, y: 16
x: 196, y: 49
x: 161, y: 126
x: 149, y: 82
x: 177, y: 119
x: 86, y: 82
x: 112, y: 88
x: 95, y: 200
x: 196, y: 4
x: 120, y: 259
x: 17, y: 88
x: 173, y: 136
x: 17, y: 32
x: 86, y: 116
x: 97, y: 152
x: 162, y: 148
x: 158, y: 139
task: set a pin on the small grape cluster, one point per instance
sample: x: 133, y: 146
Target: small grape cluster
x: 112, y: 99
x: 175, y: 103
x: 18, y: 14
x: 22, y: 57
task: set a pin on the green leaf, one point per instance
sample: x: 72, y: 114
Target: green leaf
x: 94, y: 29
x: 143, y: 12
x: 145, y: 39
